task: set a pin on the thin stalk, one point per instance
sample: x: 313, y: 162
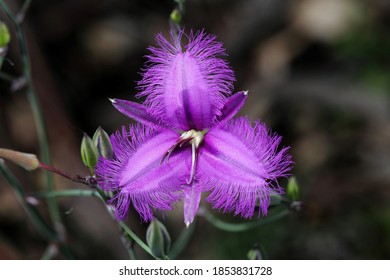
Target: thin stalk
x: 182, y: 241
x: 177, y: 16
x: 126, y: 232
x: 50, y: 252
x: 91, y: 181
x: 66, y: 193
x: 5, y: 76
x: 181, y: 4
x: 39, y: 223
x: 128, y: 244
x: 38, y: 117
x: 23, y: 11
x: 2, y: 59
x: 233, y: 227
x: 136, y: 238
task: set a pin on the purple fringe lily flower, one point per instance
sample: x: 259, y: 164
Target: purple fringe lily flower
x: 187, y: 141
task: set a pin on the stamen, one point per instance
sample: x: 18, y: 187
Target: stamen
x: 169, y: 152
x: 194, y: 138
x: 194, y: 157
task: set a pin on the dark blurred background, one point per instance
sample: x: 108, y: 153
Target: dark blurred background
x: 318, y: 73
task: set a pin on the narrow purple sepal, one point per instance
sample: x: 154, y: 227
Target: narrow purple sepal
x: 136, y: 111
x: 233, y: 104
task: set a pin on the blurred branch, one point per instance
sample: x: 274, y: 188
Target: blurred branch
x: 7, y: 77
x: 37, y: 112
x: 235, y: 227
x: 97, y: 192
x: 67, y: 193
x: 23, y: 11
x: 181, y: 4
x: 39, y: 223
x: 131, y: 233
x: 182, y: 241
x: 50, y: 252
x: 176, y: 16
x: 128, y: 243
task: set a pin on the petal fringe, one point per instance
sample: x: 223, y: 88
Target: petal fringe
x: 240, y: 165
x: 186, y: 86
x: 137, y: 174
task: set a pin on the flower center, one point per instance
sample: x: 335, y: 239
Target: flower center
x: 194, y: 138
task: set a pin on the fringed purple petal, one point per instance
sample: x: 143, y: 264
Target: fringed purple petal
x: 233, y: 104
x: 186, y: 86
x: 136, y: 111
x: 240, y: 164
x: 138, y: 174
x: 192, y: 197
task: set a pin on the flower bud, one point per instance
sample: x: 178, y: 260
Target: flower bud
x: 5, y: 37
x: 89, y: 153
x: 27, y: 161
x: 255, y: 253
x: 102, y: 142
x: 175, y: 16
x: 293, y: 189
x: 157, y: 238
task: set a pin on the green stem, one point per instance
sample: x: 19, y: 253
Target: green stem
x: 177, y: 16
x: 127, y: 232
x: 127, y: 242
x: 136, y: 238
x: 181, y: 4
x: 182, y: 241
x: 72, y: 192
x: 50, y: 252
x: 39, y: 223
x: 22, y: 13
x: 5, y: 76
x: 1, y: 63
x: 232, y: 227
x: 38, y: 117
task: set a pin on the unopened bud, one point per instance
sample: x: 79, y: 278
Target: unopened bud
x: 158, y: 239
x: 255, y: 253
x: 102, y: 142
x: 5, y: 37
x: 176, y: 16
x: 89, y: 153
x: 293, y: 189
x: 27, y: 161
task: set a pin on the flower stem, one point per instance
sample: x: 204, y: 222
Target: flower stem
x: 50, y: 252
x: 233, y: 227
x: 39, y: 223
x: 5, y: 76
x: 136, y: 238
x: 65, y: 193
x: 182, y: 241
x: 90, y: 181
x: 22, y: 13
